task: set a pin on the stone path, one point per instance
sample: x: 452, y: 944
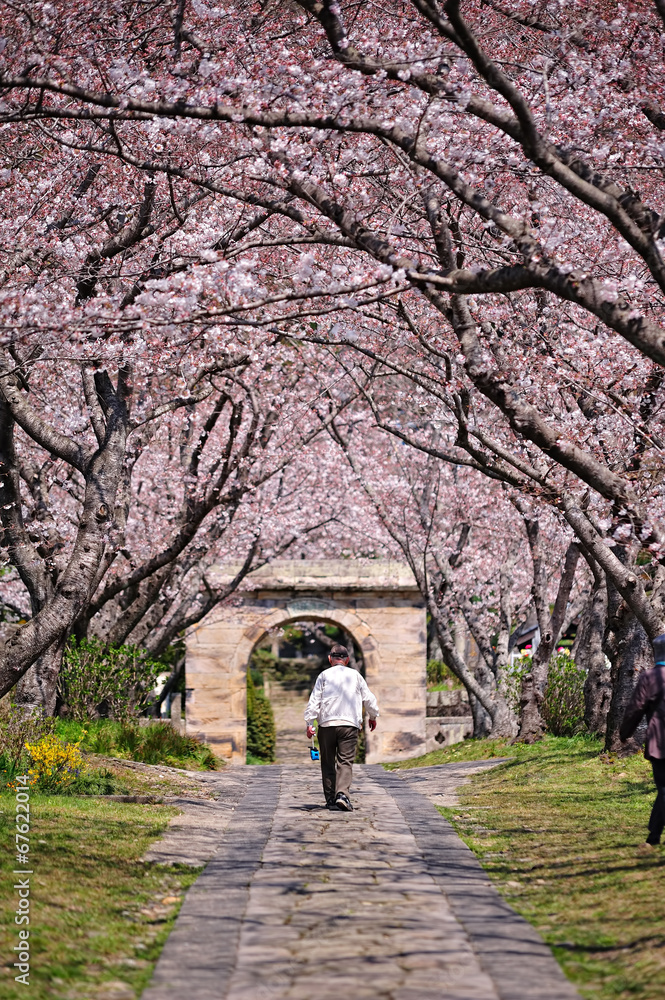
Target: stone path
x: 195, y: 836
x: 291, y: 745
x: 441, y: 782
x: 384, y: 903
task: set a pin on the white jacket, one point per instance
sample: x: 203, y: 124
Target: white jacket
x: 338, y: 698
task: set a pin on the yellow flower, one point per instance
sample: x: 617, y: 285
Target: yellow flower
x: 54, y: 762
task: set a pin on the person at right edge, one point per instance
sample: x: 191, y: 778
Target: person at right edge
x: 336, y: 703
x: 649, y: 697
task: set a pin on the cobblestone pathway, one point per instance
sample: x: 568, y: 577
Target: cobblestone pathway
x: 303, y: 903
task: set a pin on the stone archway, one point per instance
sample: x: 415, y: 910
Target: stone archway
x: 378, y: 603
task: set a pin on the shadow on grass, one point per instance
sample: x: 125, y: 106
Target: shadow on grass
x: 651, y: 941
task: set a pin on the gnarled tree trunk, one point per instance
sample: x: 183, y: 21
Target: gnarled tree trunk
x: 589, y: 654
x: 38, y: 687
x: 630, y: 652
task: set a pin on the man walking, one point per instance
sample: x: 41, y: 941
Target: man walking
x: 336, y: 703
x: 649, y: 697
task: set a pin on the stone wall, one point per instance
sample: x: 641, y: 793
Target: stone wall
x: 449, y: 718
x: 448, y: 702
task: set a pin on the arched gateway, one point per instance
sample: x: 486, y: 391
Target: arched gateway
x: 378, y: 603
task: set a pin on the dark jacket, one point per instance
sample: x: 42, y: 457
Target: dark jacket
x: 649, y: 697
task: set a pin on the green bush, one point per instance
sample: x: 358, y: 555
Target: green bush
x: 563, y: 703
x: 99, y: 679
x: 262, y: 660
x: 160, y: 743
x: 563, y: 700
x: 513, y: 675
x: 99, y: 735
x: 257, y: 678
x: 260, y: 724
x: 361, y: 747
x: 440, y: 674
x: 18, y: 728
x: 293, y: 635
x: 95, y: 782
x: 9, y: 768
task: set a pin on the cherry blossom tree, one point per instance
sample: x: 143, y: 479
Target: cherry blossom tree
x: 447, y: 423
x: 455, y: 182
x: 480, y: 556
x: 117, y: 505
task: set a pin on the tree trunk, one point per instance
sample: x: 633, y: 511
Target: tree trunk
x: 492, y: 662
x: 38, y: 687
x: 493, y: 702
x: 433, y: 647
x: 531, y: 722
x: 504, y: 723
x: 532, y: 725
x: 482, y: 720
x: 28, y: 643
x: 589, y: 654
x: 632, y: 654
x: 482, y: 723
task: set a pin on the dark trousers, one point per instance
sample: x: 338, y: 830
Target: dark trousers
x: 338, y: 751
x: 657, y: 818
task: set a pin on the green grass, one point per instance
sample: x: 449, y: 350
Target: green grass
x: 467, y: 750
x: 156, y: 743
x: 557, y: 828
x: 97, y: 913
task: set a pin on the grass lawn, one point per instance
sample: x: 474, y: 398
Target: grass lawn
x: 98, y: 916
x: 557, y: 828
x: 157, y: 780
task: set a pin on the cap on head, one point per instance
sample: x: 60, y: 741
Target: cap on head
x: 339, y: 652
x: 659, y: 648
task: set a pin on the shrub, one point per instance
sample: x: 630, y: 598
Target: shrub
x: 29, y: 744
x: 439, y: 673
x: 160, y: 743
x: 98, y: 735
x: 563, y: 700
x: 54, y: 764
x: 18, y: 727
x: 94, y: 782
x: 257, y: 678
x: 156, y: 743
x: 563, y: 703
x: 260, y: 724
x: 96, y: 677
x: 262, y: 660
x: 293, y: 635
x: 513, y: 675
x: 361, y: 747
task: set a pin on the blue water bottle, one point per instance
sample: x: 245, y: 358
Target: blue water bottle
x: 313, y: 752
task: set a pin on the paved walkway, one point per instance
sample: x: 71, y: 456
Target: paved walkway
x: 384, y: 903
x: 289, y: 710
